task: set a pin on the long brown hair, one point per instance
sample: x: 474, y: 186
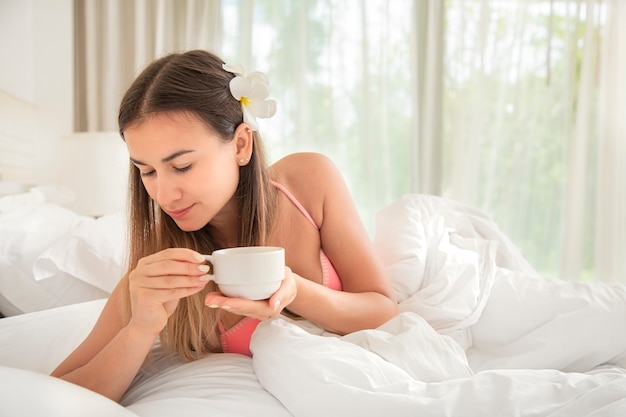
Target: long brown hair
x: 192, y: 82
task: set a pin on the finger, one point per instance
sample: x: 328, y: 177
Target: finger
x: 165, y: 282
x: 183, y: 254
x: 176, y: 254
x: 285, y: 294
x: 160, y: 295
x: 257, y: 309
x: 215, y: 299
x: 186, y: 292
x: 236, y: 305
x: 173, y: 267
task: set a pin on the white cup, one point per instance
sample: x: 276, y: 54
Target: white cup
x: 252, y: 272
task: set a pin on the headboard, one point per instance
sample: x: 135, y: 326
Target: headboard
x: 18, y: 121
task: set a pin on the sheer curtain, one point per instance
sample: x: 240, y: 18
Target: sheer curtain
x: 610, y: 220
x: 357, y: 80
x: 516, y: 108
x: 535, y: 127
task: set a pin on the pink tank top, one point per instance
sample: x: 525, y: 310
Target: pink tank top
x: 237, y: 338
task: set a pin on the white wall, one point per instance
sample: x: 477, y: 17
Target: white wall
x: 36, y: 87
x: 16, y: 44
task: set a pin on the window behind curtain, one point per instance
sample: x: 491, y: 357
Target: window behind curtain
x: 518, y: 105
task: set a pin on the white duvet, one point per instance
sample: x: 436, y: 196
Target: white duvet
x: 479, y: 334
x: 379, y: 373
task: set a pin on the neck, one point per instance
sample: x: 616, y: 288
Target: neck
x: 225, y: 227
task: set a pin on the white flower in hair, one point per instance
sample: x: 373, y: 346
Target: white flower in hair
x: 252, y: 91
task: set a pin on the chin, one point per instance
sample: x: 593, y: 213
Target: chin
x: 188, y: 226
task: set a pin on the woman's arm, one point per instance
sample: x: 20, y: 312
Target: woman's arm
x: 111, y: 355
x: 367, y: 299
x: 109, y: 358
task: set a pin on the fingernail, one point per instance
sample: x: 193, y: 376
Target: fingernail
x: 205, y: 278
x: 199, y: 258
x: 204, y: 268
x: 212, y: 305
x: 277, y: 304
x: 225, y: 307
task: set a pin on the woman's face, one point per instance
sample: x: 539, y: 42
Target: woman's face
x: 185, y: 168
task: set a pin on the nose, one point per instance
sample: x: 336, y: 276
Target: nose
x: 167, y: 190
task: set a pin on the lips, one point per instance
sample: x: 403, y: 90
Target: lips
x: 179, y: 214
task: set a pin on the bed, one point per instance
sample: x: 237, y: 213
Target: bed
x: 450, y: 352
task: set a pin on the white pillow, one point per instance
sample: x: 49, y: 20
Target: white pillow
x: 77, y: 258
x: 410, y: 231
x: 40, y: 340
x: 28, y: 393
x: 441, y: 258
x: 19, y: 293
x: 401, y: 243
x: 92, y: 252
x: 28, y: 225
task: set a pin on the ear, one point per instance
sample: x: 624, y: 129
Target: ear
x: 243, y: 143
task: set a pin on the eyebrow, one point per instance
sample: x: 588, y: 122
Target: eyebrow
x: 166, y: 159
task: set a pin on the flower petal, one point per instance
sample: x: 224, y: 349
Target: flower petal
x: 248, y: 117
x: 240, y: 87
x: 234, y: 68
x: 251, y: 91
x: 260, y: 86
x: 263, y: 109
x: 257, y: 76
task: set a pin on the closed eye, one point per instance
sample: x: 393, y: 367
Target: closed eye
x: 153, y: 172
x: 183, y: 169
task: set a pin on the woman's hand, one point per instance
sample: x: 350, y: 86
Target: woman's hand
x: 159, y: 281
x: 257, y: 309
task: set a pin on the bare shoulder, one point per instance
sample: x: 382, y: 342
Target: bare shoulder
x: 310, y: 177
x: 303, y: 163
x: 306, y: 173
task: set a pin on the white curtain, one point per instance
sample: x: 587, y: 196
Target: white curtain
x: 514, y: 107
x: 610, y: 208
x: 534, y: 110
x: 115, y: 39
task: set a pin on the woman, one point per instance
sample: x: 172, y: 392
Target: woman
x: 199, y: 182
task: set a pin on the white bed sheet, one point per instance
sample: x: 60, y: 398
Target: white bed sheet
x: 33, y: 344
x: 472, y: 310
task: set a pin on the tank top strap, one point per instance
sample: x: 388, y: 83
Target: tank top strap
x: 295, y: 201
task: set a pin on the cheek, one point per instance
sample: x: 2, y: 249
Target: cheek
x: 222, y: 180
x: 217, y: 185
